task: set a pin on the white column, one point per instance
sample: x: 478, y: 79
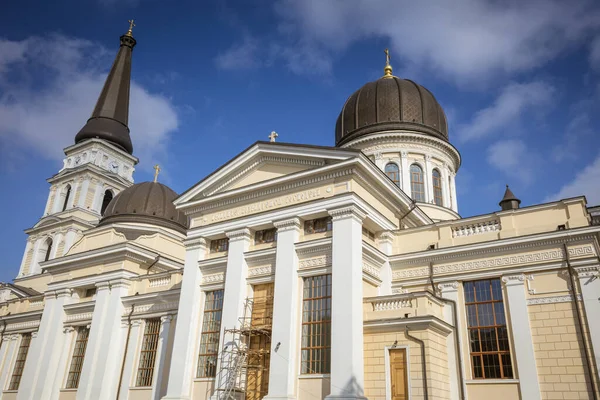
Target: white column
x: 405, y: 184
x: 161, y: 354
x: 453, y: 191
x: 59, y: 199
x: 97, y: 203
x: 34, y: 268
x: 100, y: 373
x: 28, y: 247
x: 347, y: 369
x: 69, y: 334
x: 69, y: 239
x: 282, y: 371
x: 235, y: 278
x: 55, y: 243
x: 9, y: 351
x: 132, y: 351
x: 521, y: 333
x: 445, y: 186
x: 449, y: 291
x: 48, y: 208
x: 46, y: 349
x: 73, y: 194
x: 428, y: 179
x: 83, y: 193
x: 386, y: 241
x: 187, y: 326
x: 589, y: 284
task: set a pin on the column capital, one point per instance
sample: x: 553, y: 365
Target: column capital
x: 287, y: 224
x: 34, y: 334
x: 404, y: 154
x: 166, y: 319
x: 239, y: 234
x: 14, y: 337
x: 102, y: 286
x: 119, y: 283
x: 64, y: 293
x: 386, y: 236
x: 448, y: 287
x: 136, y: 322
x: 588, y: 272
x: 68, y: 329
x: 351, y: 211
x: 195, y: 243
x: 516, y: 279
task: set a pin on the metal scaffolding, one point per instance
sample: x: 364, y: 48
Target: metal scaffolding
x: 245, y: 353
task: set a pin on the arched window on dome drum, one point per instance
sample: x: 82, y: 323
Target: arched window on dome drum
x: 417, y: 184
x: 48, y: 249
x: 108, y: 196
x: 393, y: 172
x: 436, y: 177
x: 67, y: 196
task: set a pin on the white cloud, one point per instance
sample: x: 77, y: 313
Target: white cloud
x: 586, y: 182
x: 514, y: 159
x: 57, y: 87
x: 465, y: 40
x: 242, y: 55
x: 514, y: 100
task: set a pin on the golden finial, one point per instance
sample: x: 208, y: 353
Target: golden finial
x: 131, y: 25
x: 387, y: 70
x: 273, y: 136
x: 156, y: 171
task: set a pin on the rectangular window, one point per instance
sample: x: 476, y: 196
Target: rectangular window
x: 15, y: 380
x: 317, y: 225
x: 316, y: 325
x: 219, y: 245
x: 148, y: 352
x: 265, y: 236
x: 78, y: 356
x: 488, y: 334
x: 368, y: 233
x: 209, y: 341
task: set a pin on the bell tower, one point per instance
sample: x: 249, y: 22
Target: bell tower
x: 95, y: 169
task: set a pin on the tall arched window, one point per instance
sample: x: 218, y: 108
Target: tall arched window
x: 48, y: 249
x: 393, y: 172
x: 108, y: 196
x: 417, y: 185
x: 67, y: 195
x: 437, y: 188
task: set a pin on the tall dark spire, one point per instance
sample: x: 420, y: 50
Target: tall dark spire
x: 111, y: 114
x: 509, y: 201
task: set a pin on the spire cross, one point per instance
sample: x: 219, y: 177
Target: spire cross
x: 156, y: 171
x: 273, y: 136
x: 387, y: 70
x: 131, y: 25
x: 387, y: 56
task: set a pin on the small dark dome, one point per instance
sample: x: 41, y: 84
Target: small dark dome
x: 146, y: 202
x: 390, y: 103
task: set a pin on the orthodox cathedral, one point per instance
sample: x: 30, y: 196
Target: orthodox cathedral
x: 299, y: 272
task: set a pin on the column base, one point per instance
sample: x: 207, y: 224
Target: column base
x: 348, y: 396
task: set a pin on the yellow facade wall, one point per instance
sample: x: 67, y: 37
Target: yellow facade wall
x: 310, y: 388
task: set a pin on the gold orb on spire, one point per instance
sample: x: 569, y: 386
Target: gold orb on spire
x: 387, y: 70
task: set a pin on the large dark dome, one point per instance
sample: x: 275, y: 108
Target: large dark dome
x: 390, y: 103
x: 146, y: 202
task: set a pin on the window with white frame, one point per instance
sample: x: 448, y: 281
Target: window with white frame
x: 78, y: 356
x: 15, y: 379
x: 316, y: 325
x: 148, y: 353
x: 209, y: 340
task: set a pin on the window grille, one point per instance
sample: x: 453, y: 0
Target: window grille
x: 392, y: 170
x: 317, y: 225
x: 148, y: 352
x: 265, y: 236
x: 316, y: 325
x: 209, y: 340
x: 488, y: 334
x: 219, y: 245
x: 78, y: 357
x: 437, y: 188
x: 417, y: 184
x: 15, y: 380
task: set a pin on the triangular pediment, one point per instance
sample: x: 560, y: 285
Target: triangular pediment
x: 263, y: 162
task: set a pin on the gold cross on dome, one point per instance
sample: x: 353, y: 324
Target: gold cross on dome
x: 273, y: 136
x: 387, y: 56
x: 156, y: 172
x: 131, y: 25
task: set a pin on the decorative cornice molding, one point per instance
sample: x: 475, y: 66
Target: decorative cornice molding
x: 260, y: 271
x: 477, y: 228
x: 511, y: 280
x: 386, y: 236
x: 215, y: 278
x: 448, y: 287
x: 239, y: 234
x: 552, y: 299
x: 160, y: 281
x: 196, y: 243
x: 588, y: 272
x: 287, y: 224
x: 316, y: 262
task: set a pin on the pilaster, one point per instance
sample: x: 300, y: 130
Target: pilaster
x: 428, y: 179
x: 69, y: 334
x: 453, y: 191
x: 83, y: 192
x: 161, y: 355
x: 187, y: 326
x: 449, y: 290
x: 283, y: 366
x: 28, y: 248
x: 235, y: 278
x: 405, y: 173
x: 446, y: 186
x: 132, y: 345
x: 9, y: 347
x: 347, y: 368
x: 521, y: 332
x: 589, y: 285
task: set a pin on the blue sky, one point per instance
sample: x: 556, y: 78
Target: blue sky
x: 519, y: 81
